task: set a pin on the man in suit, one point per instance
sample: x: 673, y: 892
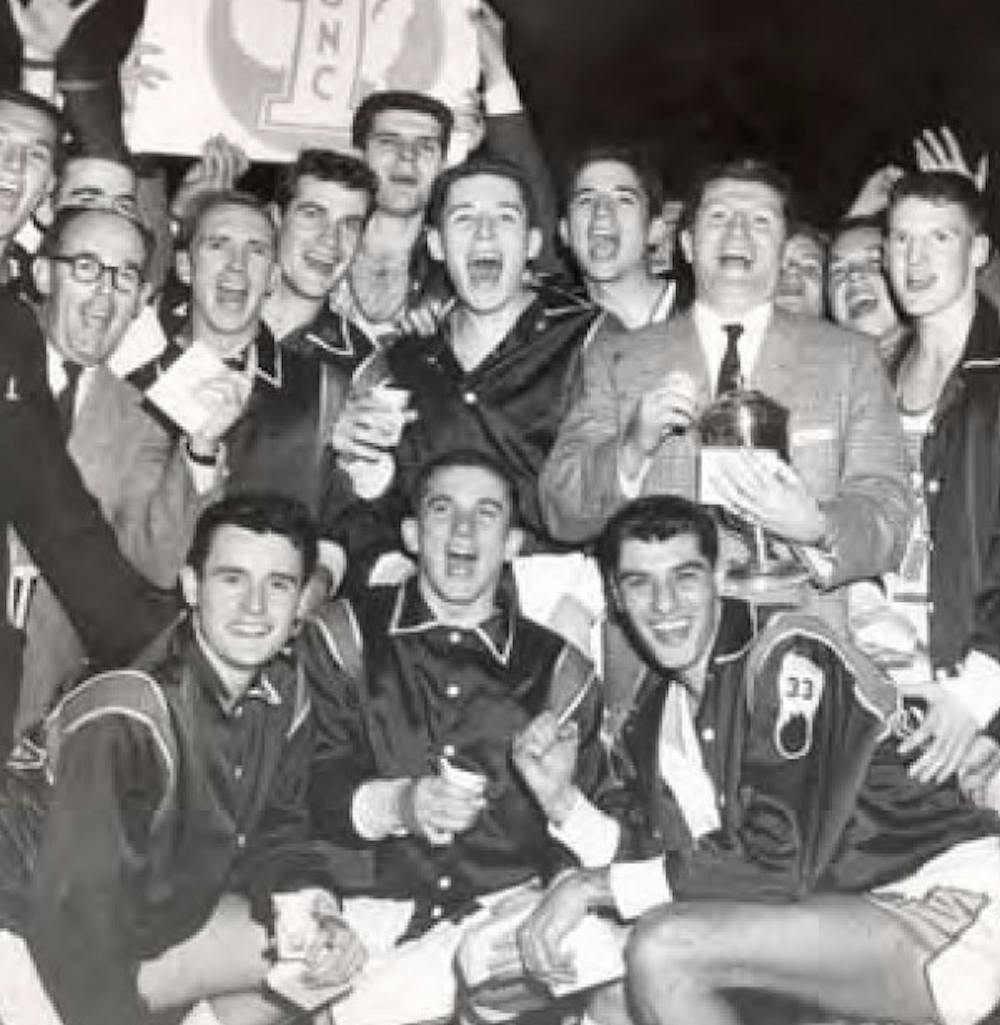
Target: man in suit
x: 42, y: 496
x: 843, y: 500
x: 91, y: 274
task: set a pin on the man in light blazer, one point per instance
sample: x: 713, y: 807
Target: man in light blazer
x: 843, y: 500
x: 91, y: 272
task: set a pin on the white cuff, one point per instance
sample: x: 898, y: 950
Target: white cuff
x: 204, y: 477
x: 375, y: 809
x: 638, y: 886
x: 977, y: 686
x: 631, y: 487
x: 586, y: 831
x: 502, y: 98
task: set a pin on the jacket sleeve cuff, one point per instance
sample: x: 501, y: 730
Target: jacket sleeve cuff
x: 631, y: 487
x: 375, y: 809
x: 586, y: 831
x: 502, y: 98
x: 977, y: 686
x: 638, y: 886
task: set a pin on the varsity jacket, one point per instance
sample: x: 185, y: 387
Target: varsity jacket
x: 812, y: 793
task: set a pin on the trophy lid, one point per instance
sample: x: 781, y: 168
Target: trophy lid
x: 746, y: 419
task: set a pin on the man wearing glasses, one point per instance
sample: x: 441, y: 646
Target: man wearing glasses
x: 91, y: 274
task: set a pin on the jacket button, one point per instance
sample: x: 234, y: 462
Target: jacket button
x: 437, y: 911
x: 444, y: 883
x: 933, y: 486
x: 453, y: 690
x: 470, y: 398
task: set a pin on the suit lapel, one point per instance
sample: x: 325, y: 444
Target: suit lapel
x: 99, y: 441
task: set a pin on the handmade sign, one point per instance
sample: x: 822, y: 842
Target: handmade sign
x: 276, y: 75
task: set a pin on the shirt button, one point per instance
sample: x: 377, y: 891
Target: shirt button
x: 722, y: 800
x: 708, y: 734
x: 930, y: 608
x: 933, y: 486
x: 437, y: 911
x: 453, y: 690
x: 239, y: 712
x: 455, y: 637
x: 448, y: 750
x: 444, y: 883
x: 470, y: 398
x: 241, y: 841
x: 238, y: 772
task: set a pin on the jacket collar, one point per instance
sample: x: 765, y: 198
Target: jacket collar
x: 411, y: 615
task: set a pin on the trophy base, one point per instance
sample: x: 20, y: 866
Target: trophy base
x: 777, y: 581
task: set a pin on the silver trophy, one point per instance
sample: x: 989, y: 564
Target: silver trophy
x: 750, y: 419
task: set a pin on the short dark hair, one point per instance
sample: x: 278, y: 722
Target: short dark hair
x: 633, y: 157
x: 328, y: 166
x: 399, y: 99
x: 462, y: 457
x: 811, y: 232
x: 860, y: 222
x: 743, y: 169
x: 261, y: 513
x: 21, y: 98
x: 491, y: 166
x: 69, y: 215
x: 942, y: 187
x: 654, y: 518
x: 214, y: 200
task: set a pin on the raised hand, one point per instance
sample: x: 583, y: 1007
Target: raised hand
x: 45, y: 25
x: 940, y: 151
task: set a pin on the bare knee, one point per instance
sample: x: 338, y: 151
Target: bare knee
x: 672, y: 940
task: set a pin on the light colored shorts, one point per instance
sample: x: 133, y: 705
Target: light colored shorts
x: 951, y: 907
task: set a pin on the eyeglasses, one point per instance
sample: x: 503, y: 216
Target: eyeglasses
x: 87, y: 268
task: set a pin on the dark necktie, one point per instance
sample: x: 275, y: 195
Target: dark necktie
x: 730, y: 374
x: 66, y: 400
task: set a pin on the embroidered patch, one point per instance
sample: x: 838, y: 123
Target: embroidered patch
x: 800, y: 690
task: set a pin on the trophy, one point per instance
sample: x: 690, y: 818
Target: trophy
x: 750, y: 419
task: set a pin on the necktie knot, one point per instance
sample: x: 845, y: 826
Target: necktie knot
x: 730, y: 372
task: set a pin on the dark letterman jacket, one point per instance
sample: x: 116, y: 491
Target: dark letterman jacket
x: 160, y: 804
x: 960, y: 460
x: 510, y: 406
x: 803, y: 808
x: 423, y: 690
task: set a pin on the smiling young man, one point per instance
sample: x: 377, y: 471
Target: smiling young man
x: 771, y: 839
x: 610, y: 223
x: 843, y: 500
x: 322, y: 207
x: 497, y: 375
x: 172, y: 796
x: 419, y: 694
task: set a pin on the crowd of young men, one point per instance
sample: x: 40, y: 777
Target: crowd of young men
x: 300, y: 685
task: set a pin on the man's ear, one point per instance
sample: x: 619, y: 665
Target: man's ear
x: 980, y: 251
x: 563, y: 229
x: 512, y: 546
x: 189, y: 586
x: 41, y: 271
x: 434, y: 245
x: 534, y: 243
x: 411, y: 535
x: 687, y: 246
x: 182, y: 264
x: 656, y: 233
x: 273, y: 278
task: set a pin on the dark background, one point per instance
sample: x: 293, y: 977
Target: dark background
x: 829, y: 89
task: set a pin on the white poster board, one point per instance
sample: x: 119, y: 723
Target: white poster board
x: 276, y: 75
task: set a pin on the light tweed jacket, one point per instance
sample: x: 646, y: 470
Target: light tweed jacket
x: 845, y: 436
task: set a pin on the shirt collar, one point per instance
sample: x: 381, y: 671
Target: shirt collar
x: 263, y: 356
x: 411, y: 615
x: 56, y: 371
x: 202, y: 665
